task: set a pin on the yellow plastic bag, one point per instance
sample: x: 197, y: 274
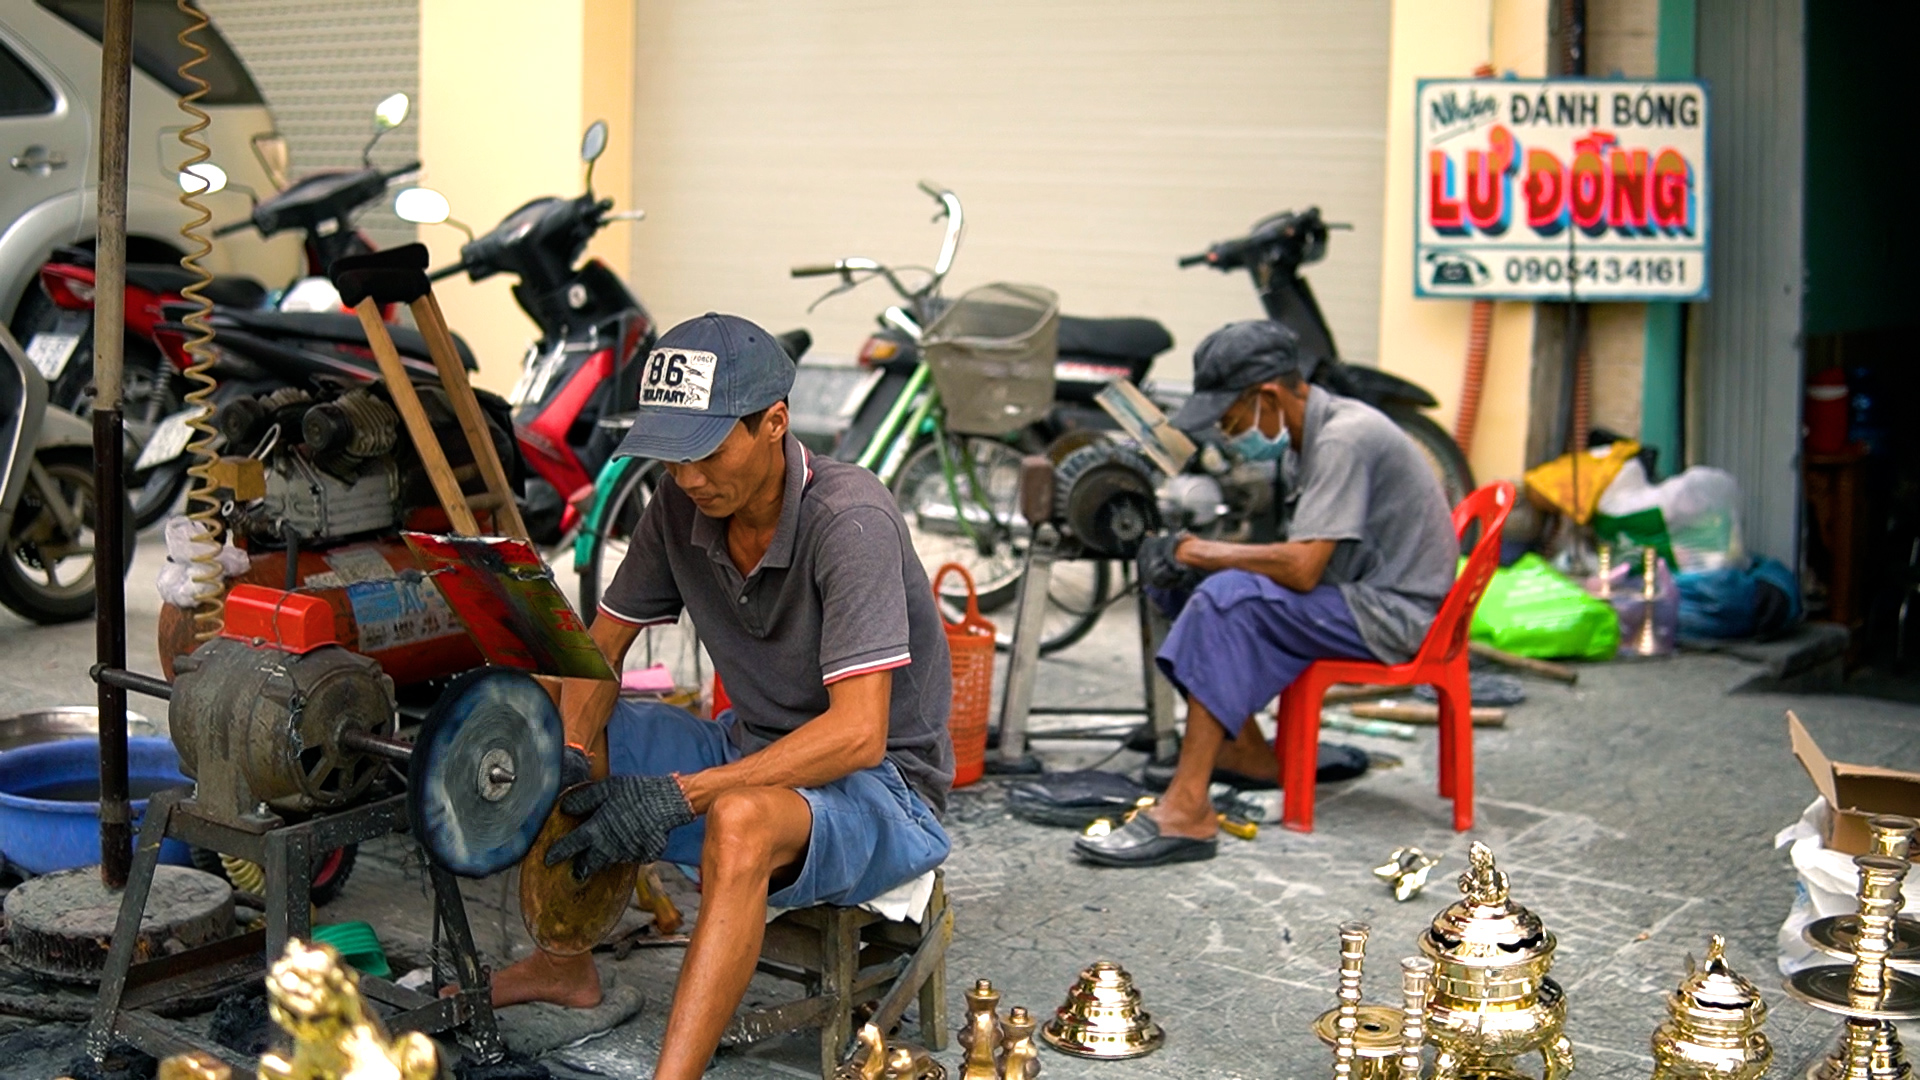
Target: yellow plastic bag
x: 1554, y: 483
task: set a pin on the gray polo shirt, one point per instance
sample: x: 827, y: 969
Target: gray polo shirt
x: 839, y: 593
x: 1361, y: 482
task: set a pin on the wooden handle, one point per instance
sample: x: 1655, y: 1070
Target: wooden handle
x: 407, y: 401
x: 1425, y: 714
x: 1542, y: 668
x: 453, y: 376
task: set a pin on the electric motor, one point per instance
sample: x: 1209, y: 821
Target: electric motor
x: 1104, y: 493
x: 256, y: 724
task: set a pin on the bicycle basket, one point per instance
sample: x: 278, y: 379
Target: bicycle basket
x: 992, y: 356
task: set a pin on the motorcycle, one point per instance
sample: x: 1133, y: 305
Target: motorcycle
x: 1273, y: 251
x: 47, y: 498
x: 57, y: 324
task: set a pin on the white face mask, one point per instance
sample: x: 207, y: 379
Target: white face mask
x: 1254, y: 444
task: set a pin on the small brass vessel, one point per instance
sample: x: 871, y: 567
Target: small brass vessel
x: 1713, y: 1025
x: 1492, y: 1000
x: 1102, y: 1017
x: 1020, y: 1055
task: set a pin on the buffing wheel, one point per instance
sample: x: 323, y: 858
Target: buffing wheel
x: 485, y: 771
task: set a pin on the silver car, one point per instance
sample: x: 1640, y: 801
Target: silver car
x: 49, y: 97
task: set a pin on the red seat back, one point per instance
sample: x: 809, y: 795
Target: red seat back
x: 1489, y: 506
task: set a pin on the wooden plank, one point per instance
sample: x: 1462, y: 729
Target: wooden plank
x: 1543, y: 668
x: 407, y: 401
x: 453, y: 376
x: 1425, y: 714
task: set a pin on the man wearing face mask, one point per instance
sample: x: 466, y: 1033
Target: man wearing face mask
x: 1368, y: 556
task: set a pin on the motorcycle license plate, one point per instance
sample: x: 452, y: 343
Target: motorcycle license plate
x: 169, y: 440
x: 50, y: 350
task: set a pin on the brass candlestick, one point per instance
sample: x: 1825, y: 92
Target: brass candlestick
x: 1020, y: 1055
x: 982, y: 1035
x: 1365, y: 1038
x: 1836, y: 935
x: 1492, y: 1000
x: 1102, y: 1017
x: 1646, y: 645
x: 1713, y: 1026
x: 1867, y: 992
x: 1604, y: 583
x: 1416, y: 991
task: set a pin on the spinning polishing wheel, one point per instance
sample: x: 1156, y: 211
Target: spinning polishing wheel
x: 485, y: 771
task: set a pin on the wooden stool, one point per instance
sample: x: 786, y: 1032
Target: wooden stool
x: 846, y: 958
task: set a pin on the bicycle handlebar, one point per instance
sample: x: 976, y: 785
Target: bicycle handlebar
x: 816, y: 270
x: 1195, y: 260
x: 446, y: 272
x: 232, y: 227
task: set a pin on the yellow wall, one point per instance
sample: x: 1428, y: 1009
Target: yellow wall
x: 606, y: 93
x: 1426, y: 340
x: 500, y: 82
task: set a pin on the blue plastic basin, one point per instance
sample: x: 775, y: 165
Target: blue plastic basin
x: 50, y: 800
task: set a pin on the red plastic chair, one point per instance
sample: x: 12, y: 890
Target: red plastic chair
x: 1441, y: 663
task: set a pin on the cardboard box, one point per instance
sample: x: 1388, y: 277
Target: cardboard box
x: 1854, y: 792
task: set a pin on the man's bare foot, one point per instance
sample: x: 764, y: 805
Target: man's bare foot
x: 1175, y: 820
x: 1249, y: 755
x: 572, y: 981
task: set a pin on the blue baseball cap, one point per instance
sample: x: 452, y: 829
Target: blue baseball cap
x: 702, y: 377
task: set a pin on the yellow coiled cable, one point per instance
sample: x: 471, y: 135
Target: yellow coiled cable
x: 209, y: 609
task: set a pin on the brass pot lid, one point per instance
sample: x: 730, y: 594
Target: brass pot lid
x: 1837, y: 935
x: 565, y: 915
x: 1829, y: 990
x: 1485, y: 927
x: 1102, y: 1018
x: 1713, y: 992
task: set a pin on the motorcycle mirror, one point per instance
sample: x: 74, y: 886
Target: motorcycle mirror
x: 594, y: 143
x: 270, y: 150
x: 391, y: 112
x: 422, y: 206
x: 204, y: 178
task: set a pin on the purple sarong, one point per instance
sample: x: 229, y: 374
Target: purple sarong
x: 1242, y: 638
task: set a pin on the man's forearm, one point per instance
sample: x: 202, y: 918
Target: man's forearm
x: 1296, y: 566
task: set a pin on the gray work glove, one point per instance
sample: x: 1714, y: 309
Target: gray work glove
x: 575, y: 769
x: 1161, y: 570
x: 628, y: 819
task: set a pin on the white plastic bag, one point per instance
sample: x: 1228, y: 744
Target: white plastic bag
x: 185, y: 539
x: 1829, y: 885
x: 1701, y: 508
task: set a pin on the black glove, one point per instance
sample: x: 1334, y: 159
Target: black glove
x: 575, y: 769
x: 1161, y: 570
x: 628, y: 819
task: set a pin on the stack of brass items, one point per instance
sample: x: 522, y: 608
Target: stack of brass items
x: 1103, y: 1018
x: 873, y: 1059
x: 1835, y: 935
x: 316, y: 1000
x: 1868, y: 992
x: 1713, y: 1026
x: 1492, y: 1000
x: 992, y: 1048
x: 1366, y: 1039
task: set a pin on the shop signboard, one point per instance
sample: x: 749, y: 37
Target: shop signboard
x: 1561, y: 189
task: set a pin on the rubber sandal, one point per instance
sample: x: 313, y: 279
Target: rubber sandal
x: 1140, y: 843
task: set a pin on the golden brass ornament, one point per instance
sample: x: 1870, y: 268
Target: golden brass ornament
x: 1406, y: 870
x: 1416, y: 993
x: 981, y: 1036
x: 873, y: 1059
x: 1492, y: 1000
x: 1102, y: 1017
x: 1645, y: 644
x: 1713, y: 1025
x: 1365, y: 1038
x: 316, y: 999
x: 1868, y: 993
x: 1020, y: 1055
x: 194, y: 1066
x: 1836, y: 935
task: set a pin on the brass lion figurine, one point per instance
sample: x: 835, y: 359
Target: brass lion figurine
x: 316, y: 999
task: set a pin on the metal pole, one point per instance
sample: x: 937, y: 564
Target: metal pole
x: 109, y: 484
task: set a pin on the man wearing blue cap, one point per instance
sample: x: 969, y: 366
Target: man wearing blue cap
x: 1368, y: 557
x: 822, y: 783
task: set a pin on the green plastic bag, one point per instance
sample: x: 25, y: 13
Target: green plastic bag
x: 1531, y: 609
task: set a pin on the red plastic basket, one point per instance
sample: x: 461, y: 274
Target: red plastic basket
x: 970, y: 641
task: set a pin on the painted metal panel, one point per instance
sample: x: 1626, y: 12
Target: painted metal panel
x: 1745, y: 385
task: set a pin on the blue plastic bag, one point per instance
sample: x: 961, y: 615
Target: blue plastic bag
x: 1761, y: 600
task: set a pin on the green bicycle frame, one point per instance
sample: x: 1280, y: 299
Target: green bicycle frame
x: 612, y: 475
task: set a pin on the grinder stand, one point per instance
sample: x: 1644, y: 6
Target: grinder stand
x: 288, y: 853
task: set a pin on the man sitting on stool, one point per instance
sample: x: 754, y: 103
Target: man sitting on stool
x: 821, y: 785
x: 1369, y: 556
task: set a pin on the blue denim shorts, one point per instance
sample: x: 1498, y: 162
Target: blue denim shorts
x: 871, y: 833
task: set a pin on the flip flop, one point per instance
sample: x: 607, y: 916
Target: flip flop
x: 1140, y: 843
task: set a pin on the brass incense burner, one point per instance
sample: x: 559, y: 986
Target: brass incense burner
x: 1102, y: 1017
x: 1713, y: 1025
x: 1492, y: 1000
